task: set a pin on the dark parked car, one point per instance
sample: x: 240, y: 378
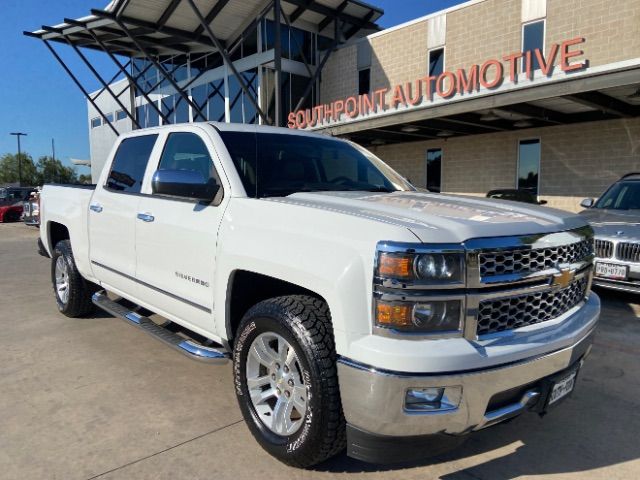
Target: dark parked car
x: 615, y: 218
x: 516, y: 195
x: 11, y: 200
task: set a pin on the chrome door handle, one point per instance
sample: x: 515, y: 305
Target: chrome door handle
x: 95, y: 207
x: 146, y: 217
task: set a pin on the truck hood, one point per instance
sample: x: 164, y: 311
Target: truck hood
x: 441, y: 218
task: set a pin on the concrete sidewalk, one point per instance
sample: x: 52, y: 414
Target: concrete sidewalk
x: 95, y: 398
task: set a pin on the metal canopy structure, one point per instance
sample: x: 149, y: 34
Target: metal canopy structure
x: 152, y: 30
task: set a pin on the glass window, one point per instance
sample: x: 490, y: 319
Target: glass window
x: 121, y: 115
x: 295, y: 163
x: 108, y: 118
x: 96, y: 122
x: 529, y: 165
x: 621, y: 196
x: 187, y: 151
x: 148, y: 116
x: 532, y: 38
x: 129, y: 164
x: 434, y: 170
x: 436, y: 62
x: 364, y: 81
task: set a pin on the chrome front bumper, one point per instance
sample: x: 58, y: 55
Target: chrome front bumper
x: 373, y: 400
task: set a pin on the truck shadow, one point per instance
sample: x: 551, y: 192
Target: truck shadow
x: 593, y: 429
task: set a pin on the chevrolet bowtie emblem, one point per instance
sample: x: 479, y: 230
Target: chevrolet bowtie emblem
x: 564, y: 278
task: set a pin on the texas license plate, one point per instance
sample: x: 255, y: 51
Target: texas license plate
x: 562, y: 388
x: 611, y: 270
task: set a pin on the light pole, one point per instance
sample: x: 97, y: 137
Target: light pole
x: 18, y: 135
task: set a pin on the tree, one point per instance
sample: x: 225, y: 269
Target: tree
x: 51, y: 170
x: 9, y: 169
x: 47, y: 170
x: 84, y: 179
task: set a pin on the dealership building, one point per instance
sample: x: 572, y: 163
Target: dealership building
x: 539, y: 95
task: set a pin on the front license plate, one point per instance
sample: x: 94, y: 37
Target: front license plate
x: 562, y: 388
x: 611, y: 270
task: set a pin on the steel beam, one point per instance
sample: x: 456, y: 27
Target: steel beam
x: 227, y: 60
x: 132, y: 80
x: 159, y: 66
x: 104, y: 84
x: 319, y: 68
x: 166, y: 15
x: 210, y: 17
x: 329, y: 18
x: 277, y: 62
x: 79, y: 85
x: 605, y: 103
x: 170, y: 31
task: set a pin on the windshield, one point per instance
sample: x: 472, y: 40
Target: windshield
x: 621, y: 196
x: 277, y: 165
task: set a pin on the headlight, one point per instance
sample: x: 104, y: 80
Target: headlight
x: 427, y: 268
x: 419, y: 290
x: 429, y: 317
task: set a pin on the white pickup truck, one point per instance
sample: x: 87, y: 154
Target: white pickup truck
x: 357, y: 311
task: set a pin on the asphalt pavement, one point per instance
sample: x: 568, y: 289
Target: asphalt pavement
x: 95, y: 398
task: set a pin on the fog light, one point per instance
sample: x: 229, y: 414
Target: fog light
x: 432, y: 399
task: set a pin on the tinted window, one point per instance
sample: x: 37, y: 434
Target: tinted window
x: 121, y: 115
x: 434, y: 169
x: 286, y: 164
x: 187, y: 151
x: 529, y: 165
x: 621, y: 196
x: 96, y: 122
x: 436, y: 62
x: 129, y: 164
x: 364, y: 81
x: 532, y: 38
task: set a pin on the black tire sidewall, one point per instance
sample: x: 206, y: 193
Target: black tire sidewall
x: 61, y: 250
x: 298, y: 444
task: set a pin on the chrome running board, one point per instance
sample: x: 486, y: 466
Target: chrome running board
x: 190, y: 348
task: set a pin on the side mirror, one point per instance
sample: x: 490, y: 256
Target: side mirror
x: 184, y: 184
x: 587, y: 203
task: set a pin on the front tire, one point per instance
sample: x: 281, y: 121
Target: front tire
x: 286, y: 381
x: 72, y: 292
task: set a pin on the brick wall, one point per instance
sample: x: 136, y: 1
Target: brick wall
x: 612, y: 28
x: 486, y: 30
x: 577, y: 161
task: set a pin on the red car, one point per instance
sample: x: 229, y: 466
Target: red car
x: 11, y: 199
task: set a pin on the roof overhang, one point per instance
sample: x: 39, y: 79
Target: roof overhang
x: 601, y: 94
x: 169, y: 27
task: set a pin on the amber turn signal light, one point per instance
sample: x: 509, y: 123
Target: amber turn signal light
x: 395, y: 266
x: 388, y: 315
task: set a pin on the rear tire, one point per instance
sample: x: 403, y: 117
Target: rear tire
x: 72, y: 292
x: 285, y: 347
x: 11, y: 216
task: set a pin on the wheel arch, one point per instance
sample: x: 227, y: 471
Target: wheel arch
x: 56, y: 232
x: 246, y: 288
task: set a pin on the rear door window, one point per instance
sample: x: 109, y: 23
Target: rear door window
x: 130, y: 163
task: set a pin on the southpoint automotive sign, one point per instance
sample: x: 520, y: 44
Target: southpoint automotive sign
x: 429, y: 89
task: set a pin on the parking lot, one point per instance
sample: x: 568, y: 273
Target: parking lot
x: 95, y: 398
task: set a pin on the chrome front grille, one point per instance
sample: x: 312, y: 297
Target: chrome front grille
x: 497, y: 315
x: 604, y: 248
x: 523, y: 261
x: 628, y: 252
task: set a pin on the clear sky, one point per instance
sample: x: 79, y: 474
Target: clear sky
x: 38, y: 98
